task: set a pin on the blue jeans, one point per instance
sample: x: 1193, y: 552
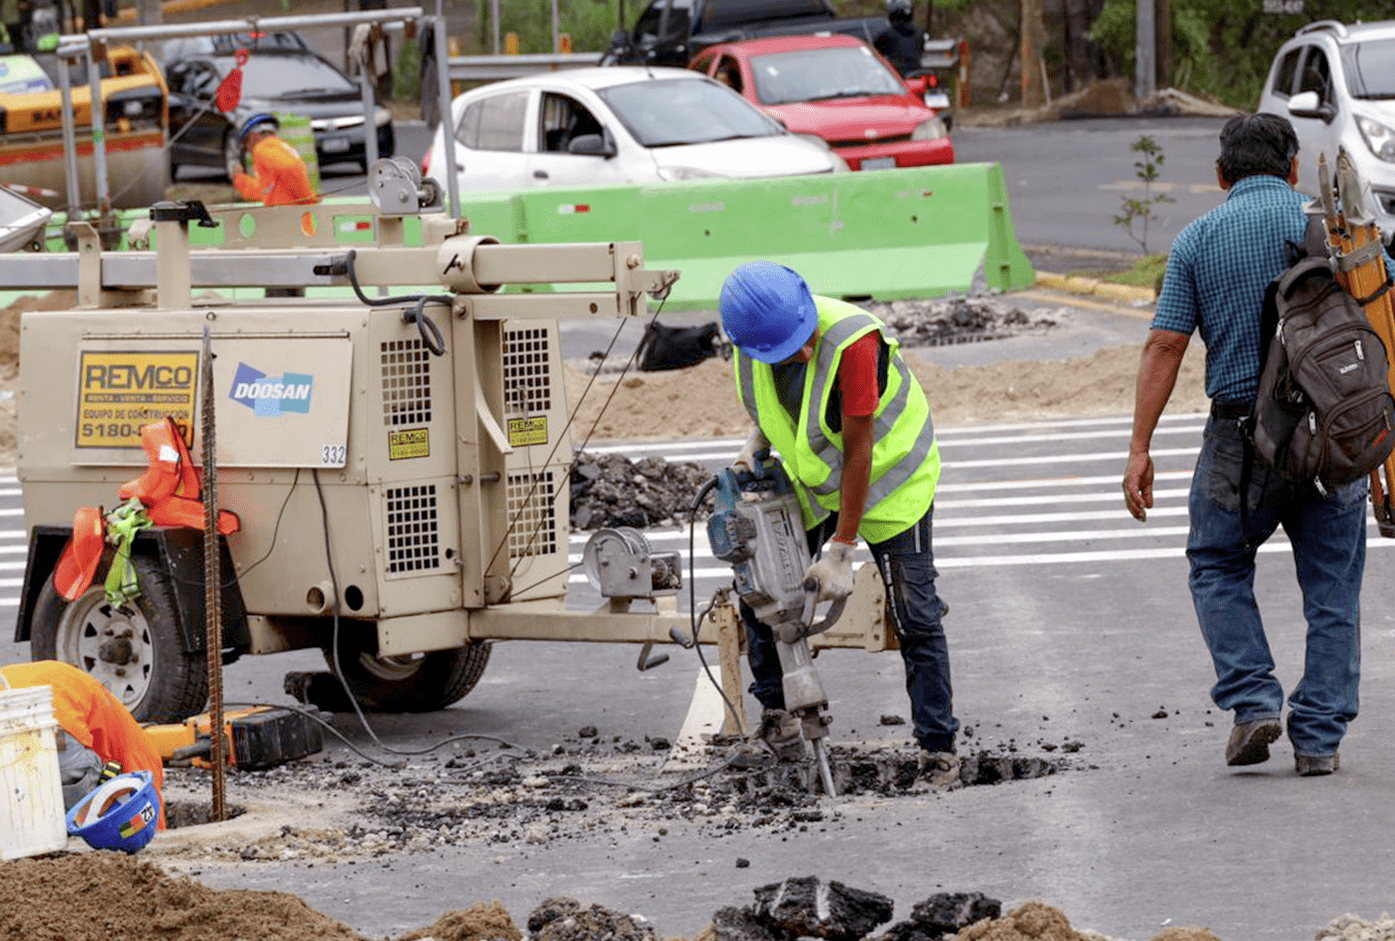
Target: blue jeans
x: 1329, y: 553
x: 907, y: 566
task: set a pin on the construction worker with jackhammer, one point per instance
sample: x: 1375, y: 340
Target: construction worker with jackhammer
x: 828, y: 389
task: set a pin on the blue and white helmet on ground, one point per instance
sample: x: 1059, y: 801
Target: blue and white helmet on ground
x: 767, y: 310
x: 121, y: 814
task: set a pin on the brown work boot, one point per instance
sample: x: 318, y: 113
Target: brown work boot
x: 781, y: 733
x: 1249, y: 741
x: 937, y: 771
x: 1311, y: 766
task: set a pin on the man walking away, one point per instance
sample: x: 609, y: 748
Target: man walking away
x: 1216, y: 277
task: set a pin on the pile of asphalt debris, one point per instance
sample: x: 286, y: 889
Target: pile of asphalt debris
x: 801, y: 907
x: 610, y: 490
x: 958, y: 320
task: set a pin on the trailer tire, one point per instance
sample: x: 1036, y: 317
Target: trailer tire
x: 138, y: 655
x: 421, y: 682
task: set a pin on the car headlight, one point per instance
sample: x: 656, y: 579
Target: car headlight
x: 814, y: 139
x: 685, y: 173
x: 932, y: 129
x: 1379, y: 137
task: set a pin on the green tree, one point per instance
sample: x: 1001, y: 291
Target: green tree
x: 588, y: 22
x: 1220, y: 48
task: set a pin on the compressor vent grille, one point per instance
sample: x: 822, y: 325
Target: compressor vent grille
x: 413, y: 542
x: 406, y: 368
x: 532, y: 511
x: 527, y: 373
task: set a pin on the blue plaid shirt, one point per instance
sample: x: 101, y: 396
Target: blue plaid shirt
x: 1216, y: 275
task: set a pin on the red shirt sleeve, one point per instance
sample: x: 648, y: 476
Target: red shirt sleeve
x: 857, y: 376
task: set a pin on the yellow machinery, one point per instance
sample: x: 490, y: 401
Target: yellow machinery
x: 136, y: 104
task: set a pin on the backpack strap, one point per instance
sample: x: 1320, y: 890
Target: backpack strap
x: 1377, y: 294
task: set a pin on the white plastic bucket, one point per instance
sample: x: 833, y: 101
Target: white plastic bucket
x: 31, y: 793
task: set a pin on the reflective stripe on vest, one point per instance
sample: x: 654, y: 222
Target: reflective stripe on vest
x: 905, y: 455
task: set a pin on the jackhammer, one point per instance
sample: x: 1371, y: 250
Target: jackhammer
x: 757, y: 528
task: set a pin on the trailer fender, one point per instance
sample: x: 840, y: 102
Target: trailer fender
x: 180, y: 554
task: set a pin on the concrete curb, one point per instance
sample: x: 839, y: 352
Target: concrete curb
x: 1094, y: 286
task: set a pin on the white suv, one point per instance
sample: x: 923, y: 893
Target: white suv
x: 1336, y: 83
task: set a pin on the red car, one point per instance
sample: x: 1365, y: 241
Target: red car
x: 838, y: 89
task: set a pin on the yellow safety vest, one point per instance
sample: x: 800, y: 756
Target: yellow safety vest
x: 905, y: 454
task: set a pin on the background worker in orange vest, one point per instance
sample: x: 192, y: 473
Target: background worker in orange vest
x: 95, y: 728
x: 279, y: 176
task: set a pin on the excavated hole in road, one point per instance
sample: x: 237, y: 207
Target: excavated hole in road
x: 185, y: 813
x: 586, y: 787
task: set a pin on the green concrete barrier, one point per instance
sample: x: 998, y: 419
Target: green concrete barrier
x: 885, y: 235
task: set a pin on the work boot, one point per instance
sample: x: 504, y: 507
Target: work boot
x: 938, y: 770
x: 1310, y: 766
x: 1249, y: 741
x: 781, y: 733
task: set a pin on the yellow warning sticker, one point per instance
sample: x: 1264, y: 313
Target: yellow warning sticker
x: 119, y: 391
x: 413, y: 442
x: 526, y: 431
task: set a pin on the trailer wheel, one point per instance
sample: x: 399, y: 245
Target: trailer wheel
x: 422, y: 682
x: 136, y: 653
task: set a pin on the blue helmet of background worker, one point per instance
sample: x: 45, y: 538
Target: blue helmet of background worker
x: 899, y: 9
x: 767, y: 311
x: 261, y: 120
x: 120, y: 814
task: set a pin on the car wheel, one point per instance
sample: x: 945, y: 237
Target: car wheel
x: 422, y: 682
x: 134, y: 650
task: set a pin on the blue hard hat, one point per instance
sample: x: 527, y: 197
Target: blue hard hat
x: 767, y: 310
x: 121, y: 814
x: 253, y: 122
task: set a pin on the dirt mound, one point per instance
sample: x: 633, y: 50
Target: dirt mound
x: 114, y: 897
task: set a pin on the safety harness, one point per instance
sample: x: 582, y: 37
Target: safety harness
x: 167, y: 494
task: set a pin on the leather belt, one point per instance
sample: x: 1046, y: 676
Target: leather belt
x: 1228, y: 411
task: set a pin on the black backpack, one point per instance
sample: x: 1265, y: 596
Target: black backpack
x: 1324, y: 411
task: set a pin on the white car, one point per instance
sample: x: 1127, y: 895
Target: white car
x: 617, y: 124
x: 1336, y: 84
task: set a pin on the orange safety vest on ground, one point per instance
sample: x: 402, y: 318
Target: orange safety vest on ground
x: 278, y: 178
x: 91, y: 714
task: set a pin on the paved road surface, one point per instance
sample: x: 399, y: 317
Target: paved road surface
x: 1068, y: 620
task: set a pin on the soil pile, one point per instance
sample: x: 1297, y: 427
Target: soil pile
x: 113, y: 897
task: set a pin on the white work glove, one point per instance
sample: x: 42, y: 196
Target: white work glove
x: 234, y: 168
x: 746, y: 457
x: 833, y: 571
